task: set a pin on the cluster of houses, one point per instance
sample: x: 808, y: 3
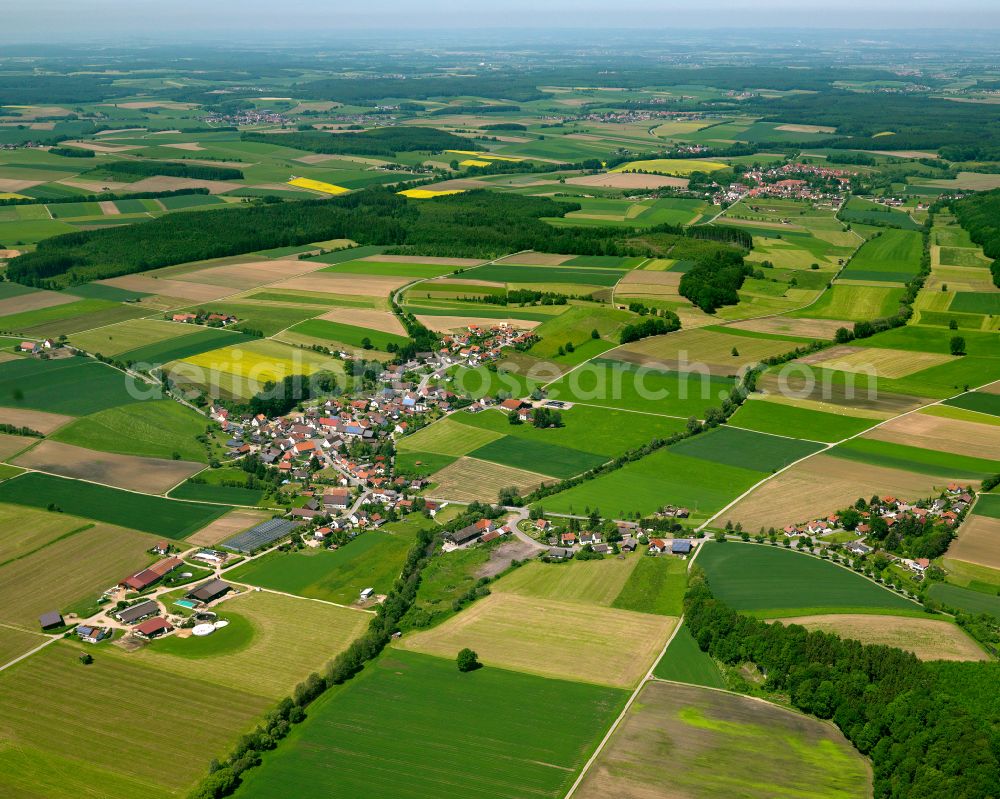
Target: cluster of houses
x: 479, y: 345
x: 36, y: 347
x: 788, y: 181
x: 948, y: 510
x: 568, y: 543
x: 210, y: 318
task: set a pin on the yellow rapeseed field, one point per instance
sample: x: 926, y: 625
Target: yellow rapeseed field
x: 317, y: 185
x: 671, y: 166
x: 426, y: 194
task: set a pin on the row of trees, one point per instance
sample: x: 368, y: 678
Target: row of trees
x: 650, y: 326
x: 225, y: 777
x: 980, y: 215
x: 921, y: 737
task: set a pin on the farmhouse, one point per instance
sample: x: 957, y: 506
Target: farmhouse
x: 465, y: 536
x: 92, y: 635
x: 138, y: 612
x: 152, y: 628
x: 209, y: 591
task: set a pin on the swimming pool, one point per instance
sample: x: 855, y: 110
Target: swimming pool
x: 186, y: 603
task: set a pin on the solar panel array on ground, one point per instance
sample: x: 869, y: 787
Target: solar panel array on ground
x: 261, y: 535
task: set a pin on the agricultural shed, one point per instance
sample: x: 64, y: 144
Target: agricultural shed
x: 210, y: 590
x: 151, y: 628
x: 680, y: 547
x: 138, y: 611
x: 51, y: 619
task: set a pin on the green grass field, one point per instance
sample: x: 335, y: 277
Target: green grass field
x: 589, y: 582
x: 372, y: 560
x: 746, y: 449
x: 964, y: 599
x: 209, y: 492
x: 980, y: 401
x: 915, y: 459
x: 155, y: 429
x: 988, y: 505
x: 770, y: 582
x: 166, y: 517
x: 615, y: 384
x: 538, y: 456
x: 31, y: 320
x: 661, y: 478
x: 656, y: 585
x: 74, y: 386
x: 805, y: 423
x: 601, y: 431
x: 493, y: 733
x: 853, y: 303
x: 976, y: 302
x: 447, y: 437
x: 685, y: 662
x: 894, y: 256
x: 347, y: 334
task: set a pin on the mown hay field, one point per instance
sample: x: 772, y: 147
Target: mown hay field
x: 522, y: 736
x: 447, y: 437
x: 293, y: 637
x: 819, y: 486
x: 590, y: 582
x: 928, y: 639
x: 128, y: 335
x: 551, y: 638
x: 65, y: 571
x: 978, y: 540
x: 723, y: 745
x: 43, y: 753
x: 469, y: 479
x: 927, y: 431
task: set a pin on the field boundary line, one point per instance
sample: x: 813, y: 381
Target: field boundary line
x: 28, y: 654
x: 253, y: 588
x: 621, y: 716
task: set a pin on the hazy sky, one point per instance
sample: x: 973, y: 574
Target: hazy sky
x: 24, y: 20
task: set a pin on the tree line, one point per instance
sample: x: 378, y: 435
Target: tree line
x: 377, y: 141
x: 171, y: 169
x: 980, y: 215
x: 923, y: 738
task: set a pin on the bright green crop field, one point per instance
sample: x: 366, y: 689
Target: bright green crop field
x: 492, y: 733
x: 166, y: 517
x: 789, y: 420
x: 656, y: 585
x: 155, y: 429
x: 771, y: 582
x: 372, y: 560
x: 732, y: 446
x: 685, y: 662
x: 74, y: 386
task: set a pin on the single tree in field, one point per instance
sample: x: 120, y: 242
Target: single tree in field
x: 957, y: 345
x: 468, y: 660
x: 86, y: 658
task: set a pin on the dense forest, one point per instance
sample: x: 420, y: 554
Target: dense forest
x: 474, y: 224
x: 980, y: 215
x: 925, y: 739
x: 170, y: 168
x: 915, y: 121
x: 716, y: 281
x: 377, y: 141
